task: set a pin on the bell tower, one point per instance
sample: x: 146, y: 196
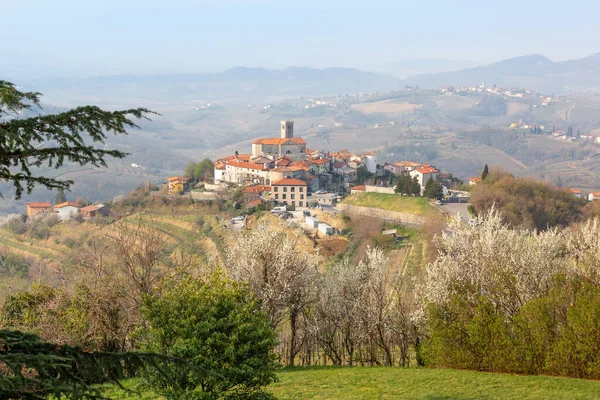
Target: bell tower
x: 287, y: 129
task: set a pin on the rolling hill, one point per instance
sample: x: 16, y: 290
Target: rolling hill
x: 535, y: 72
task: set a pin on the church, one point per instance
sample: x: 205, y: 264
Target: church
x: 286, y: 145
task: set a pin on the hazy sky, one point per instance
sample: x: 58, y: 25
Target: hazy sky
x: 83, y: 37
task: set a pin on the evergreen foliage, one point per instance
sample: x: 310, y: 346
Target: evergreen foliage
x: 433, y: 189
x: 52, y: 140
x: 31, y: 368
x: 485, y: 173
x: 406, y: 185
x: 216, y: 325
x: 60, y: 196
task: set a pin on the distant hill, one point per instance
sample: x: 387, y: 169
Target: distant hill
x: 404, y: 69
x: 535, y: 72
x: 239, y: 83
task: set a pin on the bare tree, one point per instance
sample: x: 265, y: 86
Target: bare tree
x: 281, y: 274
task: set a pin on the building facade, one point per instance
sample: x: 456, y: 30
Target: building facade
x: 290, y: 191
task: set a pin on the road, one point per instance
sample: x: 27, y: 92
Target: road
x: 456, y: 208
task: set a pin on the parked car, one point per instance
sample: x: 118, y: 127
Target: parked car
x: 320, y: 192
x: 286, y: 215
x: 279, y: 209
x: 306, y: 213
x: 438, y: 202
x: 239, y: 218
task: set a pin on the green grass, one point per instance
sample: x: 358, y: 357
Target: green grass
x: 409, y: 383
x: 392, y: 202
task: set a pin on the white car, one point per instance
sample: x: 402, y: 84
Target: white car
x: 236, y: 219
x: 320, y: 192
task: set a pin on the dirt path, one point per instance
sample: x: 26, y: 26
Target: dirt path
x: 568, y: 114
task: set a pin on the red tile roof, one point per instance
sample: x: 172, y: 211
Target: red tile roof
x: 254, y: 202
x: 358, y: 188
x: 427, y: 170
x: 279, y: 141
x: 289, y: 182
x: 67, y: 203
x: 475, y: 179
x: 257, y: 189
x: 39, y: 205
x: 179, y: 178
x: 247, y: 165
x: 89, y: 208
x: 321, y: 161
x: 575, y: 191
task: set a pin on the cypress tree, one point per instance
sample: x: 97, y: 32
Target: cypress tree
x: 485, y: 172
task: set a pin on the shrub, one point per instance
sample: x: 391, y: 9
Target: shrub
x: 216, y: 325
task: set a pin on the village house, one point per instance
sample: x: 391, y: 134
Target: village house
x: 423, y: 174
x: 290, y: 191
x: 358, y: 189
x: 255, y: 192
x: 95, y: 211
x: 576, y: 192
x: 34, y: 208
x: 474, y: 180
x: 66, y: 210
x: 594, y: 196
x: 178, y: 184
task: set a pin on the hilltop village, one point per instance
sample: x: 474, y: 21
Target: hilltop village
x: 290, y: 170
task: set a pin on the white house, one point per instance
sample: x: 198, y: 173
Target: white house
x: 370, y: 161
x: 66, y: 210
x: 423, y: 174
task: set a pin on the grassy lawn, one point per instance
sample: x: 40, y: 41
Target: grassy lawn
x: 411, y: 383
x: 392, y: 202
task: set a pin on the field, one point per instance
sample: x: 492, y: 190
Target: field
x: 392, y: 202
x: 409, y: 383
x: 385, y: 107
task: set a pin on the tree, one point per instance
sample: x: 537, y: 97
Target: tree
x: 60, y: 196
x: 189, y: 169
x: 281, y: 274
x: 52, y: 140
x: 204, y: 169
x: 485, y: 172
x: 362, y: 175
x: 433, y: 189
x: 36, y: 369
x: 214, y: 324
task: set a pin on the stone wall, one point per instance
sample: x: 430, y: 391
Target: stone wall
x: 379, y: 189
x: 393, y: 216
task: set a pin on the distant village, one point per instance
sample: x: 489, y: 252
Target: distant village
x: 284, y: 171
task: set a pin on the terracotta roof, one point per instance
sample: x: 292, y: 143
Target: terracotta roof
x: 408, y: 164
x: 575, y: 191
x: 359, y: 188
x: 339, y: 164
x: 321, y: 161
x: 254, y: 202
x: 39, y: 205
x: 179, y: 178
x: 67, y: 203
x: 89, y: 208
x: 475, y: 179
x: 279, y: 141
x: 219, y: 165
x: 247, y: 165
x: 427, y: 170
x: 595, y: 194
x: 244, y: 157
x: 257, y: 189
x: 289, y: 182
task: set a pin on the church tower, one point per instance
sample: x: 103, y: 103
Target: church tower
x: 287, y: 129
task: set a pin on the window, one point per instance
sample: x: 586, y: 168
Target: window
x: 275, y: 188
x: 301, y: 189
x: 302, y: 196
x: 300, y: 204
x: 292, y: 189
x: 292, y: 196
x: 276, y: 196
x: 283, y: 197
x: 285, y: 188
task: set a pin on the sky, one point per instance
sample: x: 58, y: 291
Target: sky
x: 42, y: 38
